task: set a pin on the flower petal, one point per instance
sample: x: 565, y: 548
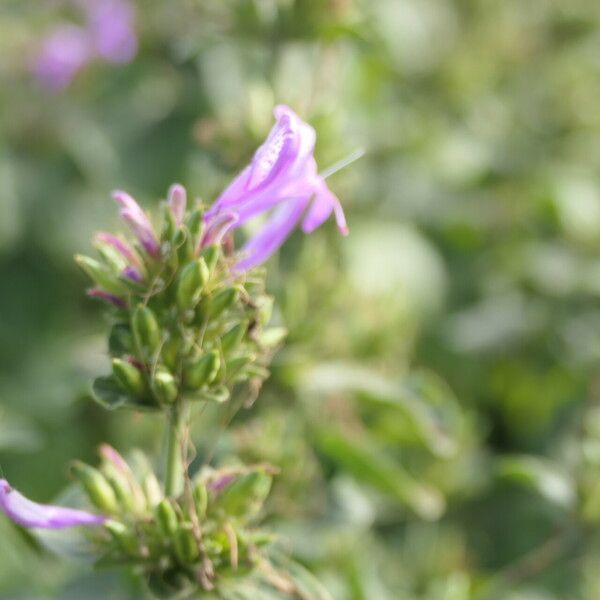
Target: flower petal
x: 31, y: 514
x: 177, y: 199
x: 138, y: 221
x: 273, y: 233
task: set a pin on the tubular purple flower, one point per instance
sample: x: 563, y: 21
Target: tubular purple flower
x: 119, y: 245
x: 218, y: 227
x: 61, y: 55
x: 31, y: 514
x: 97, y: 292
x: 138, y: 221
x: 177, y: 199
x: 282, y: 177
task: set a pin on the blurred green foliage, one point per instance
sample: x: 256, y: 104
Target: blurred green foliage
x: 435, y: 412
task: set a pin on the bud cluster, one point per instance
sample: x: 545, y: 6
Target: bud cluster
x: 177, y: 544
x: 186, y: 323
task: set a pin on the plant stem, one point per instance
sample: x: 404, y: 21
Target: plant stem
x: 174, y: 466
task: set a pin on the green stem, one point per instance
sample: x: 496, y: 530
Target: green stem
x: 174, y: 466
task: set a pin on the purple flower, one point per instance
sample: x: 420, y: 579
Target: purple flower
x: 30, y: 514
x: 133, y: 274
x: 111, y: 28
x: 97, y: 292
x: 282, y: 179
x: 62, y: 53
x: 107, y: 34
x: 177, y: 199
x: 119, y: 245
x: 138, y: 221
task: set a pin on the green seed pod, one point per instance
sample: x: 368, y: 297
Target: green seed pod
x: 164, y: 386
x: 221, y: 301
x: 101, y: 275
x: 192, y: 280
x: 186, y: 546
x: 200, y: 498
x: 145, y: 330
x: 203, y: 370
x: 233, y: 337
x: 167, y: 518
x: 99, y: 491
x: 211, y: 256
x: 128, y: 376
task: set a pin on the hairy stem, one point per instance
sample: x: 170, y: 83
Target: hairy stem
x: 174, y: 464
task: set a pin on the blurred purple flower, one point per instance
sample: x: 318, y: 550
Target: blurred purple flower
x: 177, y: 199
x: 138, y: 221
x: 97, y: 292
x: 282, y: 178
x: 108, y: 34
x: 62, y: 53
x: 31, y: 514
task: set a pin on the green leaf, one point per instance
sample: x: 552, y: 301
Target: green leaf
x: 111, y: 396
x: 363, y: 459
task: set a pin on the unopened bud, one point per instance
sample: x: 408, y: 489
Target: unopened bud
x: 167, y: 518
x: 100, y: 275
x: 186, y: 546
x: 203, y: 370
x: 192, y: 280
x: 122, y: 535
x: 184, y: 246
x: 128, y: 376
x: 145, y: 329
x: 152, y: 489
x: 211, y: 254
x: 194, y: 224
x: 233, y: 337
x: 99, y: 491
x: 235, y: 366
x: 221, y: 301
x: 120, y: 486
x: 164, y: 386
x: 200, y: 498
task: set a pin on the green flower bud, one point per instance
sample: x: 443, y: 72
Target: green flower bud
x: 192, y: 280
x: 152, y: 489
x: 99, y: 491
x: 221, y: 301
x: 235, y: 366
x: 211, y: 254
x: 123, y: 536
x: 194, y: 224
x: 272, y: 337
x: 186, y: 546
x: 200, y: 498
x: 145, y: 329
x: 128, y: 376
x: 169, y: 226
x: 203, y: 370
x: 120, y: 486
x: 100, y: 275
x: 164, y: 386
x: 185, y: 247
x: 167, y: 518
x: 170, y: 351
x: 233, y: 337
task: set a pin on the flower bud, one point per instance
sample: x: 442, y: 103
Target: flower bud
x: 99, y: 491
x: 203, y: 370
x: 128, y: 376
x: 184, y: 245
x: 194, y: 224
x: 120, y: 486
x: 211, y: 254
x: 152, y: 489
x: 233, y: 337
x: 235, y: 366
x: 200, y: 498
x: 164, y: 386
x: 146, y: 330
x: 100, y: 275
x: 167, y: 518
x: 186, y: 546
x: 122, y: 535
x: 221, y: 301
x: 192, y: 280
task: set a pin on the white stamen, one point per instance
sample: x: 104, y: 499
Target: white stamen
x: 341, y: 164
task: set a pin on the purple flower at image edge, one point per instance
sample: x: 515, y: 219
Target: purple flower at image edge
x: 282, y: 179
x: 27, y: 513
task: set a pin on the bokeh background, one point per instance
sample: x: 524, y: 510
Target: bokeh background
x: 436, y: 410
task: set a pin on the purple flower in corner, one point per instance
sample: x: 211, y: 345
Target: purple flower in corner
x: 27, y: 513
x: 281, y: 179
x: 107, y: 34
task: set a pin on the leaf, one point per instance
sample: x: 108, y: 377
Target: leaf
x: 111, y: 396
x: 368, y: 463
x: 540, y: 475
